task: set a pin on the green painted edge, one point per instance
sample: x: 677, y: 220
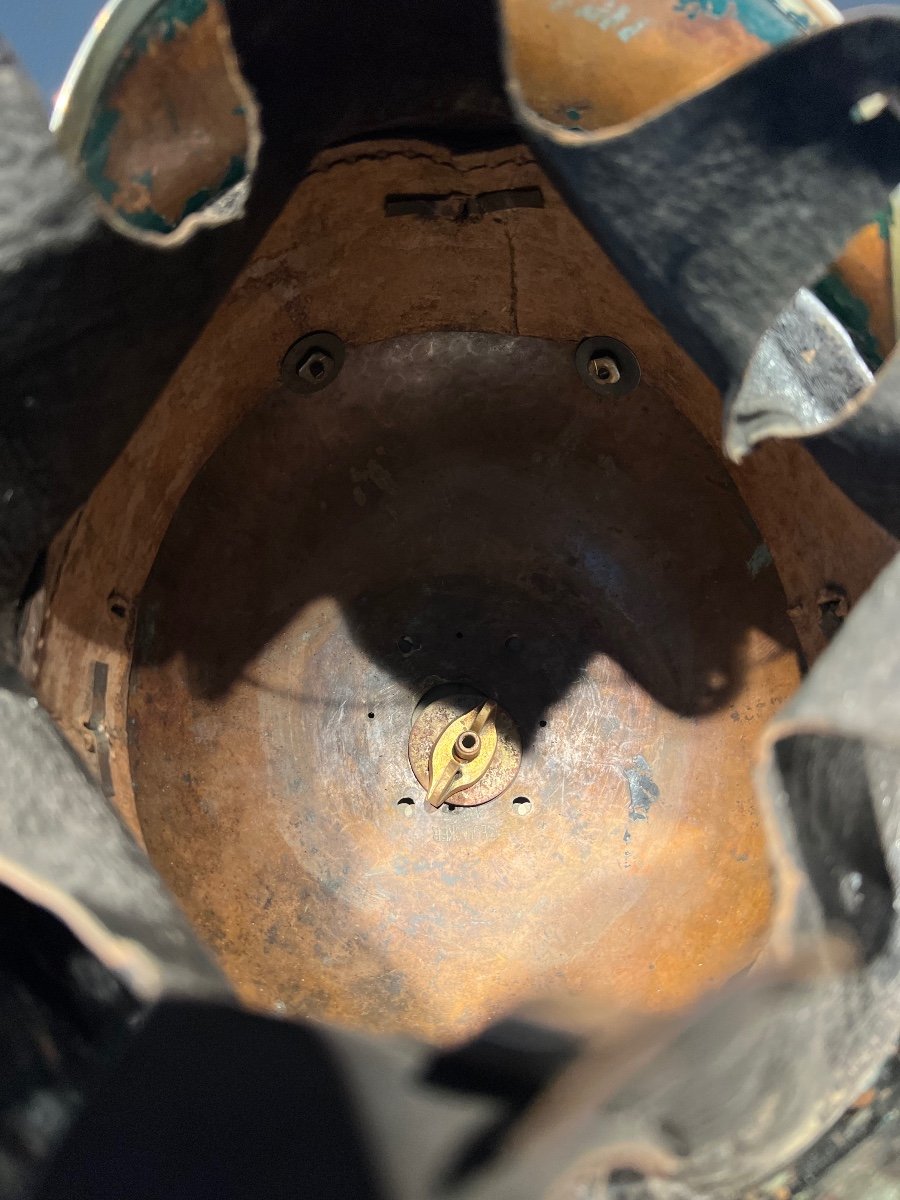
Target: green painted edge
x: 853, y: 315
x: 763, y: 19
x: 162, y: 25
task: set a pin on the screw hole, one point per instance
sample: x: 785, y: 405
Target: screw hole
x: 468, y: 741
x: 405, y: 800
x: 458, y: 634
x: 607, y: 366
x: 543, y: 724
x: 117, y: 605
x: 406, y: 645
x: 521, y: 806
x: 833, y: 607
x: 371, y: 716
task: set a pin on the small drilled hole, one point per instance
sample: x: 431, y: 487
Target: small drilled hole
x: 458, y: 634
x: 521, y: 806
x: 543, y: 724
x: 468, y: 741
x: 405, y: 800
x: 118, y: 605
x: 406, y: 645
x: 371, y: 716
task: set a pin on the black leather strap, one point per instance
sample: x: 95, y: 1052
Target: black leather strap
x: 718, y: 210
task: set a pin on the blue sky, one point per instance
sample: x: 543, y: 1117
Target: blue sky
x: 45, y: 35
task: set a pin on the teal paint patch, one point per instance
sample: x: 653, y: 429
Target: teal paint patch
x: 146, y: 219
x: 573, y: 118
x: 759, y: 560
x: 163, y: 25
x: 95, y: 151
x: 181, y: 12
x: 853, y: 314
x: 883, y: 221
x: 198, y: 201
x: 761, y: 18
x: 95, y: 156
x: 237, y: 168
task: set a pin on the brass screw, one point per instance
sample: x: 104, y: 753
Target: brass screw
x: 467, y: 747
x: 604, y: 368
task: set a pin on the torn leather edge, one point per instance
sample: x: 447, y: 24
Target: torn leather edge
x: 852, y: 694
x: 856, y: 442
x: 54, y: 821
x: 718, y: 208
x: 805, y: 378
x: 682, y: 200
x: 81, y: 91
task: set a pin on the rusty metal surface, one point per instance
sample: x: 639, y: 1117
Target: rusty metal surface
x: 271, y: 698
x: 156, y: 113
x: 589, y: 66
x: 451, y: 275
